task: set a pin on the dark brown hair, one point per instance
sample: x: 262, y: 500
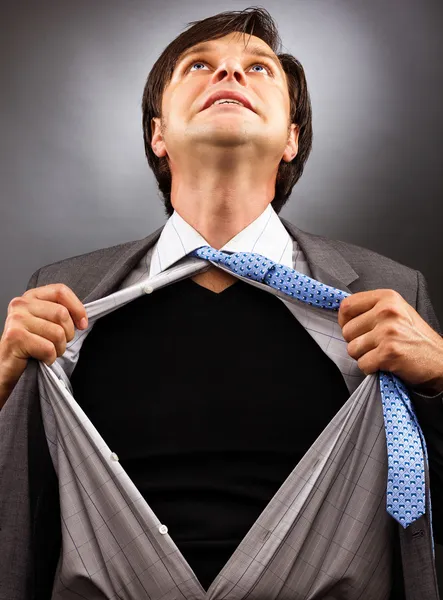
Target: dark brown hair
x: 252, y: 21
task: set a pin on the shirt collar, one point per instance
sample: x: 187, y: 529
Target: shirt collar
x: 266, y: 236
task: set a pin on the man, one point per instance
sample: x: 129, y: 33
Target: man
x: 192, y: 395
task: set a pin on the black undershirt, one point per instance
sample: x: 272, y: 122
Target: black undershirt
x: 210, y: 401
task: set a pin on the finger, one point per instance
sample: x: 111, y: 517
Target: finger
x: 23, y: 312
x: 24, y: 344
x: 62, y: 294
x: 50, y: 331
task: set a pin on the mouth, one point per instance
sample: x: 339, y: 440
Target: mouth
x: 226, y: 106
x: 231, y: 99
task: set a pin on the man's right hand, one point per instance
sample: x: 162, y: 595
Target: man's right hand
x: 39, y: 325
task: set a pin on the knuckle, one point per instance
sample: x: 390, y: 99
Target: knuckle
x: 394, y: 294
x: 390, y: 350
x: 62, y: 290
x: 62, y: 314
x: 48, y: 351
x: 13, y: 319
x: 352, y: 347
x: 12, y: 335
x: 17, y: 302
x: 59, y: 335
x: 387, y: 311
x: 345, y: 304
x: 389, y: 331
x: 346, y: 333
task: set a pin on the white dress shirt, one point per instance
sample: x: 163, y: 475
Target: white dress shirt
x: 266, y: 235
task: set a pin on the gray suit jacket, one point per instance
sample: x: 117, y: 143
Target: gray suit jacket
x: 27, y: 477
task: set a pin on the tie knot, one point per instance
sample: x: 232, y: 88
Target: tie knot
x: 246, y: 264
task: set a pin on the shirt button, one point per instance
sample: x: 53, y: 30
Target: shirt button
x: 148, y: 289
x: 114, y: 456
x: 163, y: 529
x: 62, y: 382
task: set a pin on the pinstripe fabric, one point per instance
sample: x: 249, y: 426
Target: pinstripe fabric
x: 324, y: 535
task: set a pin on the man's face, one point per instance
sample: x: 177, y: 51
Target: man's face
x: 225, y: 64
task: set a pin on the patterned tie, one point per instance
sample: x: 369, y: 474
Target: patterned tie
x: 406, y: 447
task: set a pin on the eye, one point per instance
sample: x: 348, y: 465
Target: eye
x: 194, y: 63
x: 260, y: 65
x: 199, y: 62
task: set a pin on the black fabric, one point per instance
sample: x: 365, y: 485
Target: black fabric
x: 209, y: 400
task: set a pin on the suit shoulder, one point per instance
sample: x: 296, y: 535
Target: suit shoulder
x: 87, y: 257
x: 374, y: 269
x: 364, y: 259
x: 71, y: 269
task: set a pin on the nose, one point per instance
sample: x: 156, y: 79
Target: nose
x: 230, y: 69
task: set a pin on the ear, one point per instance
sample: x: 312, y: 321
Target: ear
x: 292, y: 146
x: 157, y: 142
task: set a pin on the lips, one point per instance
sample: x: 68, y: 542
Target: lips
x: 227, y: 95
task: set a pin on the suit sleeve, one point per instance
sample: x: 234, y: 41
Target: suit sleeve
x: 15, y: 523
x: 429, y: 411
x: 32, y: 283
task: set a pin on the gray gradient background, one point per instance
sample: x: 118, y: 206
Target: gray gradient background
x: 73, y: 172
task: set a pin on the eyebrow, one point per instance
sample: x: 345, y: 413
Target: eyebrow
x: 251, y: 50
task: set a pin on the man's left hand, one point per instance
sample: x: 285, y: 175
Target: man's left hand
x: 385, y: 333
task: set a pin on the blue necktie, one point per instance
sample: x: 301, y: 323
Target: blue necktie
x: 406, y: 447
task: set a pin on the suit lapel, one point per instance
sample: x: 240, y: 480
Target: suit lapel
x: 327, y: 265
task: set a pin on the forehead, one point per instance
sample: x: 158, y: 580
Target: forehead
x: 247, y: 45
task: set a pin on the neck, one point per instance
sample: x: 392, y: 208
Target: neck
x: 221, y: 206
